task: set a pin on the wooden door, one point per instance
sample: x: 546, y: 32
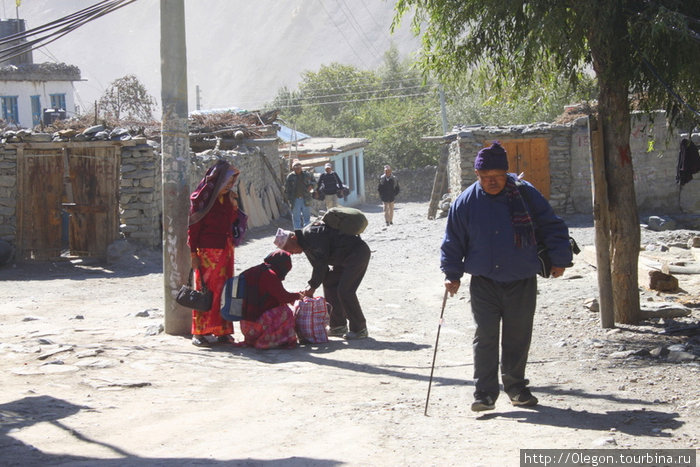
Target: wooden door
x: 531, y: 158
x: 40, y: 191
x: 91, y: 198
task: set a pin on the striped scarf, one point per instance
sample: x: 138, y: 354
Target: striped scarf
x: 523, y: 227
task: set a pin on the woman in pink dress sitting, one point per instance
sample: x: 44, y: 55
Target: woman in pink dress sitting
x: 268, y: 320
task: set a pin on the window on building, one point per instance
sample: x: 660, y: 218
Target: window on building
x: 10, y: 112
x: 351, y: 173
x: 36, y: 110
x: 58, y: 101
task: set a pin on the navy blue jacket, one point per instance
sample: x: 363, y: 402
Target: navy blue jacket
x: 479, y: 237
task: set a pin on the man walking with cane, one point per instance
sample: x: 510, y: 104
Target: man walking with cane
x: 490, y: 234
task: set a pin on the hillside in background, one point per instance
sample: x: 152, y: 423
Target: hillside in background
x: 239, y: 52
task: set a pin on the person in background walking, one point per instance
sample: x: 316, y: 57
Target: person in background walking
x: 388, y: 189
x: 490, y: 234
x: 213, y: 211
x: 329, y: 184
x: 298, y: 187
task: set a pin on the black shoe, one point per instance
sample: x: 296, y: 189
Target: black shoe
x: 524, y: 399
x: 225, y: 339
x: 482, y: 403
x: 352, y: 335
x: 200, y: 341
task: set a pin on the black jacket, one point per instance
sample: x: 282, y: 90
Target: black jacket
x: 325, y: 246
x: 329, y: 183
x: 388, y: 188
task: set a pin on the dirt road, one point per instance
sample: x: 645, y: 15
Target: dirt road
x: 87, y: 380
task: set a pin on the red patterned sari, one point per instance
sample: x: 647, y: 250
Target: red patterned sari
x: 217, y: 267
x: 274, y: 328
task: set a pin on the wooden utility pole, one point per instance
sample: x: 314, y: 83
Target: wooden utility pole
x: 175, y: 162
x: 601, y: 219
x: 440, y: 181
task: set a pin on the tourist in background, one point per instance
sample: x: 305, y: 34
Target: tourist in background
x: 330, y: 184
x: 298, y: 187
x: 388, y: 189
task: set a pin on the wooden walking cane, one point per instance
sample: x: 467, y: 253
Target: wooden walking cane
x: 444, y: 300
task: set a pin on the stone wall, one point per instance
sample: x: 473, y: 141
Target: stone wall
x: 654, y: 146
x: 140, y: 187
x: 141, y: 197
x: 140, y: 200
x: 8, y: 194
x: 415, y: 184
x: 470, y: 140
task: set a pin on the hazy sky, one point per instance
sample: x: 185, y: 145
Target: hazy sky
x: 239, y: 52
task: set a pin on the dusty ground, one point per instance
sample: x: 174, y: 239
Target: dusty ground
x: 118, y: 394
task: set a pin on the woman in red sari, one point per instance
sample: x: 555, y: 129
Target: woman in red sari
x: 268, y: 321
x: 213, y: 210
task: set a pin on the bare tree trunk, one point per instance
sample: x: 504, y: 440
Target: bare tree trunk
x: 624, y: 219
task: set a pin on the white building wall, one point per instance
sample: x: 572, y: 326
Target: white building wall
x: 25, y: 89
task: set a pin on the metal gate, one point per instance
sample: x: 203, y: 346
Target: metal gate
x: 67, y: 200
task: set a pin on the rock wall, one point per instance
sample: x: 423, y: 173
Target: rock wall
x: 654, y: 146
x: 8, y: 194
x: 140, y: 199
x: 471, y: 139
x: 140, y: 187
x: 415, y: 184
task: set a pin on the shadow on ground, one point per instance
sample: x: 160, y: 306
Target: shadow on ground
x: 28, y: 411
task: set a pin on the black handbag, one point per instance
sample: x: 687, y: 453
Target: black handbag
x: 546, y: 263
x: 188, y: 297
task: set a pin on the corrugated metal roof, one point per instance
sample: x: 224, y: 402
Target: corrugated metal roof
x: 322, y: 145
x: 288, y: 135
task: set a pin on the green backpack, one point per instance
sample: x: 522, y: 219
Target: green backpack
x: 349, y: 221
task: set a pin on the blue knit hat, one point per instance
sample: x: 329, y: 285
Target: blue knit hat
x: 492, y: 158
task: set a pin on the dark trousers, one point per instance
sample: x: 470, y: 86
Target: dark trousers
x: 340, y: 289
x: 510, y: 306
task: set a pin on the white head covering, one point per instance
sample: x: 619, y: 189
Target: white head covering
x: 328, y: 165
x: 281, y: 237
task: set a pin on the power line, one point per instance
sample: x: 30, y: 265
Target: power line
x: 62, y: 26
x: 350, y: 87
x: 371, y: 91
x: 376, y: 98
x: 357, y: 27
x: 341, y: 32
x: 668, y: 87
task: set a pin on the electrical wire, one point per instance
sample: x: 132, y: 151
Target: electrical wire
x: 371, y: 91
x: 358, y: 28
x: 377, y: 98
x: 62, y: 26
x: 342, y: 33
x: 668, y: 87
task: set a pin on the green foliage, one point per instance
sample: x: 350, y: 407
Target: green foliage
x: 127, y: 99
x: 392, y: 107
x: 395, y: 106
x: 475, y: 101
x: 648, y: 48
